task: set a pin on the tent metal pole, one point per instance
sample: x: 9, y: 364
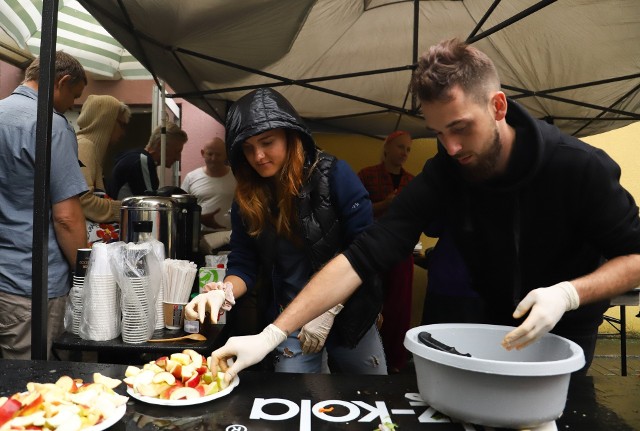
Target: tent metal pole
x: 41, y: 192
x: 294, y: 81
x: 629, y: 93
x: 486, y: 15
x: 583, y: 85
x: 416, y: 34
x: 517, y: 17
x: 145, y: 61
x: 193, y: 83
x: 304, y: 80
x: 597, y: 118
x: 163, y: 136
x: 529, y: 93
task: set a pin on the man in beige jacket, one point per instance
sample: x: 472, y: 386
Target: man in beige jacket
x: 102, y: 122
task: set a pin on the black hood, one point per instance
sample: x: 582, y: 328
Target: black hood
x: 259, y: 111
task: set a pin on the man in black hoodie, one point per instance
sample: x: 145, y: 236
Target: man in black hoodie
x: 540, y: 217
x: 135, y: 171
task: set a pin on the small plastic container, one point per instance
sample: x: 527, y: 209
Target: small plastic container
x: 191, y: 326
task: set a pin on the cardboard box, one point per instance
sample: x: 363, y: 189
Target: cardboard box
x: 208, y: 274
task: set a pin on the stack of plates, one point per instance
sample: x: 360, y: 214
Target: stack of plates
x: 135, y: 310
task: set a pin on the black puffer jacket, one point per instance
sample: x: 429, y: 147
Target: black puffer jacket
x: 320, y: 226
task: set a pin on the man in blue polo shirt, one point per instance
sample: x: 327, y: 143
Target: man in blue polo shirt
x: 18, y: 117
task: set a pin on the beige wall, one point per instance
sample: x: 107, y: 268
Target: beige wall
x: 623, y: 145
x: 360, y: 151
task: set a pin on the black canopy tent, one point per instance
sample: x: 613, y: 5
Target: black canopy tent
x: 345, y: 64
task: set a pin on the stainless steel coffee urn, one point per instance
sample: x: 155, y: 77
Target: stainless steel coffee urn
x: 173, y: 220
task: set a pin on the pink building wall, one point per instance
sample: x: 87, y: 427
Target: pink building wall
x: 138, y: 93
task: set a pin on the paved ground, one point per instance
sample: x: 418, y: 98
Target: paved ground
x: 607, y: 358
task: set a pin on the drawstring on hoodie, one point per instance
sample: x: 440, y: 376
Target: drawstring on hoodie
x: 517, y: 270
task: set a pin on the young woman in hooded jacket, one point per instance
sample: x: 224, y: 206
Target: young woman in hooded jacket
x: 295, y: 208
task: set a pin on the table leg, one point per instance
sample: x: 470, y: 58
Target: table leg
x: 623, y: 340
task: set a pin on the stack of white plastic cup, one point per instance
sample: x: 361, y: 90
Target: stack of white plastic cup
x: 101, y: 309
x: 135, y: 311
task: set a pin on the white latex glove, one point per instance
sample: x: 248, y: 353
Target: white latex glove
x: 249, y: 350
x: 314, y: 334
x: 547, y: 305
x: 217, y: 295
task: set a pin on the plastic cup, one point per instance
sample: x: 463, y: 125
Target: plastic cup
x: 82, y: 261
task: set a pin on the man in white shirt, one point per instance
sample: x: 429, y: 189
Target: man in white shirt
x: 214, y: 186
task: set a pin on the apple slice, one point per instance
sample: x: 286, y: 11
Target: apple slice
x: 153, y: 367
x: 167, y: 392
x: 152, y: 389
x: 107, y: 381
x: 171, y: 364
x: 164, y: 376
x: 193, y: 381
x: 207, y: 378
x: 132, y: 371
x: 31, y: 403
x: 201, y: 389
x: 211, y: 388
x: 130, y: 381
x: 162, y: 362
x: 67, y: 384
x: 188, y: 371
x: 221, y: 381
x: 184, y: 393
x: 144, y: 378
x: 31, y: 421
x: 181, y: 358
x: 9, y: 409
x: 68, y: 422
x: 196, y: 358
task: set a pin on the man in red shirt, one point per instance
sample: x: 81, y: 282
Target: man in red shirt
x: 383, y: 182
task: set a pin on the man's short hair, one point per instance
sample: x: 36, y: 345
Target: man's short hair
x: 125, y: 111
x: 65, y: 64
x: 453, y: 63
x: 173, y: 131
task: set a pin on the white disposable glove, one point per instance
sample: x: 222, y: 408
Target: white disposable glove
x: 547, y: 305
x: 249, y: 350
x: 314, y: 334
x: 216, y: 296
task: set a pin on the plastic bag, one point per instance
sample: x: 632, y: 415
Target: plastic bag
x: 138, y: 273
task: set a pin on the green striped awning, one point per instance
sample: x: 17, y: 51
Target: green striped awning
x: 79, y: 34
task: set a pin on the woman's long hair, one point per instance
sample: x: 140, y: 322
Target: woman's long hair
x: 272, y: 200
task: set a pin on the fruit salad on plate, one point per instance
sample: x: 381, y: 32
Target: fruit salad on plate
x: 184, y: 376
x: 66, y: 405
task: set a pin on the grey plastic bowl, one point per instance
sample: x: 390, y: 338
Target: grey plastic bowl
x: 494, y: 387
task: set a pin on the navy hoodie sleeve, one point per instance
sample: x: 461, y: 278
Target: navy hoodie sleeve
x: 393, y: 236
x: 243, y: 260
x: 351, y: 200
